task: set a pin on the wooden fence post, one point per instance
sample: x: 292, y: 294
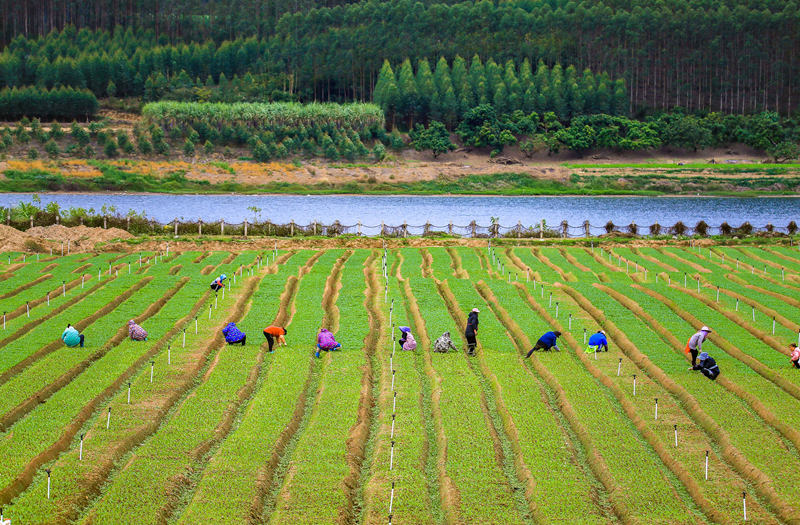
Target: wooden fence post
x: 541, y: 229
x: 31, y: 221
x: 564, y: 231
x: 450, y: 228
x: 405, y: 230
x: 200, y: 227
x: 586, y: 229
x: 176, y: 226
x: 245, y: 227
x: 291, y: 229
x: 58, y: 219
x: 519, y: 229
x: 382, y: 230
x: 105, y: 222
x: 315, y: 227
x: 222, y: 227
x: 359, y: 228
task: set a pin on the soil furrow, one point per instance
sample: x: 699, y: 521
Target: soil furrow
x: 24, y: 287
x: 24, y: 329
x: 360, y: 431
x: 505, y: 436
x: 751, y: 400
x: 458, y: 269
x: 75, y: 504
x: 13, y: 415
x: 757, y: 366
x: 661, y: 264
x: 449, y: 496
x: 760, y: 482
x: 597, y: 463
x: 427, y: 261
x: 537, y: 252
x: 273, y: 477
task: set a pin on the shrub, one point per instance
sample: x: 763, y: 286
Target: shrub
x: 792, y: 228
x: 633, y: 228
x: 725, y: 229
x: 745, y: 229
x: 655, y: 229
x: 110, y: 148
x: 609, y: 227
x: 678, y: 229
x: 769, y: 227
x: 208, y: 147
x: 379, y: 152
x: 55, y: 131
x: 79, y: 134
x: 188, y: 148
x: 701, y: 228
x: 145, y: 146
x: 51, y: 148
x: 33, y: 154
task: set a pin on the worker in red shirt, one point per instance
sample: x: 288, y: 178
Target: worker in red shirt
x: 272, y: 333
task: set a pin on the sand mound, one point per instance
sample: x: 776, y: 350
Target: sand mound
x: 77, y: 234
x: 11, y: 239
x: 85, y: 237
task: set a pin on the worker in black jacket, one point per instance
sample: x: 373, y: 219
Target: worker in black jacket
x: 707, y: 366
x: 472, y: 331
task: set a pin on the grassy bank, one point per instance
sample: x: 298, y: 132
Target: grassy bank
x: 108, y: 178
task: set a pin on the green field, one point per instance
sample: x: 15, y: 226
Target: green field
x: 183, y: 428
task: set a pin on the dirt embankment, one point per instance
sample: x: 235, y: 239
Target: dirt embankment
x: 41, y: 238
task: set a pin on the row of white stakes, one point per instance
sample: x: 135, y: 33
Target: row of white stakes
x: 152, y: 371
x: 655, y: 409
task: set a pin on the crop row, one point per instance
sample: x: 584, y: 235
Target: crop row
x: 719, y: 495
x: 233, y: 484
x: 733, y: 422
x: 552, y: 457
x: 152, y: 484
x: 77, y: 481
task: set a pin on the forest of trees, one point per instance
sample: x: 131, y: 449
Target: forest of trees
x: 733, y: 56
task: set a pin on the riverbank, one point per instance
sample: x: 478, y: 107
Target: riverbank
x: 409, y: 177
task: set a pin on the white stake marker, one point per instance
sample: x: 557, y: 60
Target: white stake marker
x: 48, y: 483
x: 744, y: 505
x: 634, y: 384
x: 152, y: 366
x: 706, y: 465
x: 169, y: 355
x: 619, y: 365
x: 108, y: 419
x: 129, y: 393
x: 80, y: 450
x: 676, y: 435
x: 656, y: 414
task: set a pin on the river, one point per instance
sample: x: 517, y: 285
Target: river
x: 437, y: 210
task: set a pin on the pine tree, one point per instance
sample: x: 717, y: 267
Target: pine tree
x: 541, y: 82
x: 494, y: 76
x: 477, y: 81
x: 589, y: 91
x: 619, y: 105
x: 385, y: 93
x: 426, y: 88
x: 407, y: 90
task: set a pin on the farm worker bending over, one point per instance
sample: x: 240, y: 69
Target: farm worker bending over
x: 233, y: 336
x: 136, y: 332
x: 695, y: 344
x: 599, y: 341
x: 217, y: 284
x: 407, y: 341
x: 472, y: 331
x: 275, y: 332
x: 795, y: 354
x: 71, y: 337
x: 444, y: 343
x: 707, y: 366
x: 546, y: 342
x: 326, y: 341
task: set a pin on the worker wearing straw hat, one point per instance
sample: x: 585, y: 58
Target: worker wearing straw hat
x: 695, y: 343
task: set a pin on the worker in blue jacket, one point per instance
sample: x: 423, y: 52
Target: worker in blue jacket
x: 546, y: 343
x: 598, y: 342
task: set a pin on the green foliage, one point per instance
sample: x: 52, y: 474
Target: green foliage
x: 188, y: 148
x: 110, y: 148
x: 62, y: 103
x: 51, y: 148
x: 435, y: 138
x: 379, y: 152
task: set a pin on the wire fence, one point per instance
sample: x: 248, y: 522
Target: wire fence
x: 542, y: 230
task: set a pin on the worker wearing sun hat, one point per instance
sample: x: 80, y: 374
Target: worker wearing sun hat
x: 407, y: 341
x: 598, y: 342
x: 471, y: 331
x: 695, y: 343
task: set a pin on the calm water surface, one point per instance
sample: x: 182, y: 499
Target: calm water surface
x: 439, y: 210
